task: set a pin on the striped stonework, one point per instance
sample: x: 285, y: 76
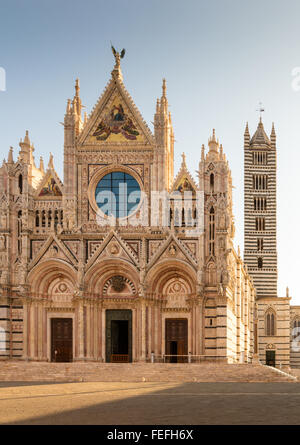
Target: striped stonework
x: 260, y: 252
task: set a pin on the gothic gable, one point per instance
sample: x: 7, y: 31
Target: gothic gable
x: 172, y: 248
x: 50, y: 186
x: 113, y: 247
x: 53, y: 248
x: 116, y: 120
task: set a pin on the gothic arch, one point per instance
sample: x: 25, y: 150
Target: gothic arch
x: 42, y: 276
x: 98, y: 276
x: 162, y: 274
x: 270, y: 322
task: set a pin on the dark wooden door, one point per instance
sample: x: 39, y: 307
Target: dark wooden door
x: 61, y: 340
x: 177, y: 339
x: 270, y: 358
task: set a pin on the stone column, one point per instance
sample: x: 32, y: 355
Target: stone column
x: 103, y: 327
x: 143, y: 331
x: 80, y: 331
x: 33, y: 332
x: 40, y: 330
x: 25, y: 331
x: 88, y: 330
x: 96, y: 345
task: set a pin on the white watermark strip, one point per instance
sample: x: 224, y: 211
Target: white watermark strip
x: 2, y: 79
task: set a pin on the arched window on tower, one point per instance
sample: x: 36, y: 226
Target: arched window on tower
x: 270, y: 323
x: 212, y: 182
x: 20, y: 184
x: 37, y: 218
x: 212, y: 231
x: 260, y: 263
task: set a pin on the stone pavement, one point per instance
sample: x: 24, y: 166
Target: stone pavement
x: 128, y: 403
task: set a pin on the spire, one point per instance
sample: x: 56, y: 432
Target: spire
x: 164, y: 100
x: 221, y: 151
x: 42, y: 165
x: 68, y: 109
x: 247, y: 130
x: 202, y: 152
x: 273, y: 134
x: 26, y: 138
x: 10, y: 159
x: 213, y: 143
x: 260, y: 137
x: 77, y: 104
x: 287, y: 292
x: 25, y: 151
x: 164, y: 88
x: 183, y: 163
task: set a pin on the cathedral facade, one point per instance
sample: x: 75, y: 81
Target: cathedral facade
x: 123, y: 261
x: 149, y: 274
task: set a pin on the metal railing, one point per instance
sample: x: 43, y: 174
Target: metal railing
x: 185, y: 358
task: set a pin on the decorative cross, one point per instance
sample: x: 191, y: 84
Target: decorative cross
x: 261, y: 109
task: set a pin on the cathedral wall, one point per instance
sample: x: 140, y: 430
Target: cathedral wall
x: 295, y: 337
x: 280, y: 342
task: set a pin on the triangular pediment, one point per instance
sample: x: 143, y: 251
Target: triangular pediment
x: 113, y: 247
x: 115, y: 120
x: 52, y: 249
x: 50, y: 186
x: 184, y: 181
x: 173, y: 248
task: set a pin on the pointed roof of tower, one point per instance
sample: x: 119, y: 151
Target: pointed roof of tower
x: 260, y: 137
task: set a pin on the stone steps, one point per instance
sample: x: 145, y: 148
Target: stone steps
x: 137, y: 372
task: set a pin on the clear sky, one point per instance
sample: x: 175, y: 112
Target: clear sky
x: 220, y: 59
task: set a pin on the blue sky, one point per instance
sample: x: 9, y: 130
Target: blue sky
x: 220, y: 59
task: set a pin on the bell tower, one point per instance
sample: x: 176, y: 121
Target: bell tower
x: 260, y: 252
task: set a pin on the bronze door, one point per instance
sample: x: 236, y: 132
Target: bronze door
x: 176, y: 339
x: 61, y: 340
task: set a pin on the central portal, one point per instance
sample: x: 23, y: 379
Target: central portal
x: 176, y: 340
x: 118, y: 336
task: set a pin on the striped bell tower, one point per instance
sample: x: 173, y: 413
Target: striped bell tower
x: 260, y: 247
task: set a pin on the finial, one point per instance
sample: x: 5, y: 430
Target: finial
x: 77, y: 87
x: 261, y: 110
x: 85, y: 117
x: 164, y: 88
x: 246, y: 129
x: 26, y: 138
x: 157, y: 106
x: 214, y: 135
x: 183, y: 164
x: 118, y: 56
x: 221, y: 151
x: 287, y: 292
x: 10, y: 159
x: 202, y: 152
x: 273, y: 134
x: 41, y: 164
x: 50, y: 163
x: 68, y: 110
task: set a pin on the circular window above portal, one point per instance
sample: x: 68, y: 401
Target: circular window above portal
x: 118, y: 194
